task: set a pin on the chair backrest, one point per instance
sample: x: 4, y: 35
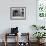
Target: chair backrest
x: 24, y: 37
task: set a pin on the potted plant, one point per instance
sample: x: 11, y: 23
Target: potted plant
x: 35, y: 26
x: 38, y: 27
x: 39, y: 35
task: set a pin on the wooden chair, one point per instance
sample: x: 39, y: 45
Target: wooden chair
x: 25, y: 36
x: 8, y: 34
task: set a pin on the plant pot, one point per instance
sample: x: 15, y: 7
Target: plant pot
x: 40, y: 40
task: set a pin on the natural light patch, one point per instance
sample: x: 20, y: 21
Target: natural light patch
x: 41, y: 9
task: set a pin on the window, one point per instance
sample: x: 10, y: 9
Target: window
x: 41, y: 8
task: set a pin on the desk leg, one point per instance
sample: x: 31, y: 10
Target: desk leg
x: 5, y: 40
x: 5, y: 43
x: 17, y: 39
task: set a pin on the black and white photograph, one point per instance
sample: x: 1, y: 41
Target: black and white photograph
x: 17, y: 13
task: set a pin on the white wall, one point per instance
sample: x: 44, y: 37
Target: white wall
x: 24, y: 25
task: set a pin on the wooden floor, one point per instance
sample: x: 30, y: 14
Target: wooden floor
x: 13, y: 44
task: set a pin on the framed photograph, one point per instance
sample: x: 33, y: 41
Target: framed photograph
x: 17, y: 13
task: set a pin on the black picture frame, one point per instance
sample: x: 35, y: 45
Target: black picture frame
x: 17, y: 13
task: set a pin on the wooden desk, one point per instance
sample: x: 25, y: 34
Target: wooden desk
x: 17, y: 43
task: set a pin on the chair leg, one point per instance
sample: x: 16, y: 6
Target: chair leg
x: 5, y: 43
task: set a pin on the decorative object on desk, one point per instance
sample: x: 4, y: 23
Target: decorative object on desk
x: 17, y: 13
x: 14, y: 30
